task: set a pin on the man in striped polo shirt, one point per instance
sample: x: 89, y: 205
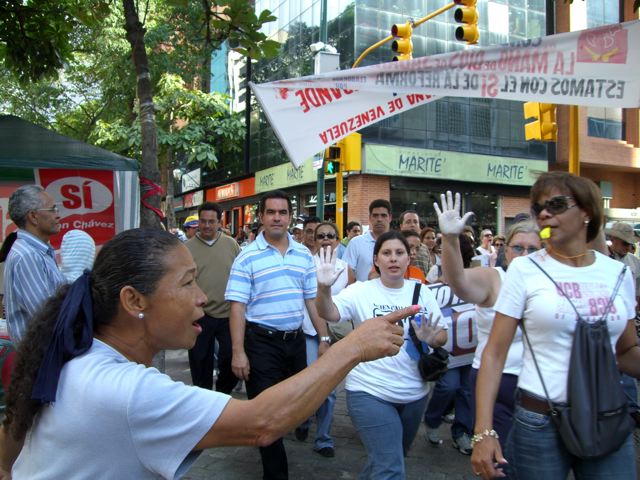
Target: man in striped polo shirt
x: 271, y: 282
x: 31, y: 274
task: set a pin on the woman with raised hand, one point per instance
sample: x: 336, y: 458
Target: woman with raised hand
x: 385, y: 397
x: 85, y: 403
x: 326, y: 240
x: 550, y: 293
x: 481, y: 286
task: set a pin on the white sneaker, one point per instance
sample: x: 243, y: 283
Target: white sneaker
x: 463, y: 444
x: 449, y: 417
x: 432, y: 436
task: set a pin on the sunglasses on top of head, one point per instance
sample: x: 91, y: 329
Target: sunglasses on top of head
x: 555, y: 205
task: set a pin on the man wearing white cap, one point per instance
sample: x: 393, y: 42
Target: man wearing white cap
x: 297, y: 232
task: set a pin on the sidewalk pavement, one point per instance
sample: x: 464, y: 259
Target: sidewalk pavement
x: 243, y: 463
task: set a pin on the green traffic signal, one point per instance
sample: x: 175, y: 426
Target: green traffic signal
x: 331, y: 168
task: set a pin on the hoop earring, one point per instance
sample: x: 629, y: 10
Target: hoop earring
x: 141, y: 316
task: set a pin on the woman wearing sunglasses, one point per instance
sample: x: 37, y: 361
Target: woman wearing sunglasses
x: 326, y: 237
x: 481, y: 287
x: 385, y: 398
x: 568, y: 210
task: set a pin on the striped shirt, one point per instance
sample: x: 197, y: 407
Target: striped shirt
x: 273, y: 286
x: 31, y: 276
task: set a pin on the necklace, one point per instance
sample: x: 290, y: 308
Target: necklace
x: 567, y: 257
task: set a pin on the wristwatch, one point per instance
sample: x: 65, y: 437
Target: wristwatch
x: 326, y: 340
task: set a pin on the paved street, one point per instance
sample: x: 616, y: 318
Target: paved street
x: 243, y: 463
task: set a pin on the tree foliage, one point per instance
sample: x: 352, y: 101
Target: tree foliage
x: 189, y: 121
x: 38, y: 37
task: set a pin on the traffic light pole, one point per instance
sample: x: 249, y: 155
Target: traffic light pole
x: 339, y: 202
x: 320, y: 178
x: 391, y: 37
x: 574, y: 146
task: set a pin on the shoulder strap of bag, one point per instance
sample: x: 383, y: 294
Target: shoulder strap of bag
x: 526, y: 336
x: 412, y: 332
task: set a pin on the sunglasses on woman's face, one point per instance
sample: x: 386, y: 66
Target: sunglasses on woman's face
x: 322, y: 236
x: 519, y: 249
x: 555, y: 205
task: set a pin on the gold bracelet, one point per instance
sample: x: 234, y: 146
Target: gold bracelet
x: 478, y: 437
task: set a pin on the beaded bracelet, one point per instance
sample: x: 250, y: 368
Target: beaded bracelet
x: 478, y: 437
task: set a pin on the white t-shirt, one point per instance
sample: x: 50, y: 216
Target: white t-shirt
x: 393, y: 379
x: 550, y: 320
x: 484, y: 322
x: 113, y: 418
x: 340, y: 283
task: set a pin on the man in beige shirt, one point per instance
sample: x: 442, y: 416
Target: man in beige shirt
x: 214, y: 253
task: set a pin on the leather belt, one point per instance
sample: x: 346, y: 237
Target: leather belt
x: 532, y: 402
x: 285, y: 335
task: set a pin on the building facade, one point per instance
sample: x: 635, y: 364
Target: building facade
x: 474, y: 146
x: 609, y: 138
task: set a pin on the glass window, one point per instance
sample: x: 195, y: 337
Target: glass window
x: 603, y: 122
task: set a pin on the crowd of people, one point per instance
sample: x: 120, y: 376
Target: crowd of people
x: 290, y: 309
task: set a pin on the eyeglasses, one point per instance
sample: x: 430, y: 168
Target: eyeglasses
x: 322, y: 236
x: 488, y: 235
x: 555, y: 205
x: 498, y: 244
x: 53, y: 209
x: 519, y: 249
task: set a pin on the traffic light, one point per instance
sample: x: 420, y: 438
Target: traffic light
x: 402, y: 45
x: 352, y: 152
x: 544, y: 128
x: 332, y: 160
x: 467, y: 14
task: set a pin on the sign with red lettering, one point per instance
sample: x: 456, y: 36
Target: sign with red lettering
x: 595, y: 67
x: 85, y: 200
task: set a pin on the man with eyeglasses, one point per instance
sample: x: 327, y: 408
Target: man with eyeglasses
x: 31, y: 274
x: 214, y: 253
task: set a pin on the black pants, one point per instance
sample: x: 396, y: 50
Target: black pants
x: 271, y: 361
x: 202, y: 354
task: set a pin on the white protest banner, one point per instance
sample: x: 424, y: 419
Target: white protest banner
x: 596, y: 67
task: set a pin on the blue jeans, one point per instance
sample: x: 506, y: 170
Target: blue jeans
x: 536, y: 452
x: 386, y: 430
x: 454, y: 386
x: 324, y: 414
x: 630, y: 390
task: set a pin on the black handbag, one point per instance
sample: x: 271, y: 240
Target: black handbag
x: 433, y: 365
x: 596, y: 420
